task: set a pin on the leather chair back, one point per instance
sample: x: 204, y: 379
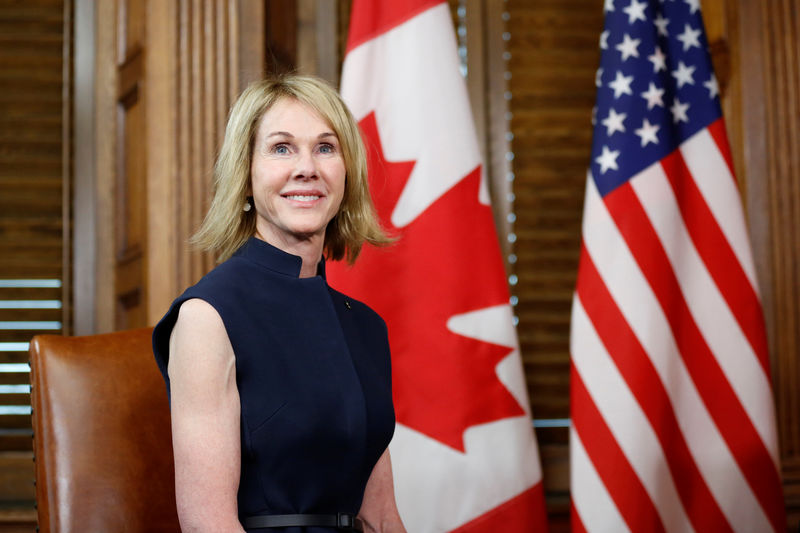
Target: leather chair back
x: 102, y: 440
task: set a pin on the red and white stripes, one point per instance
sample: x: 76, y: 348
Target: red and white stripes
x: 673, y: 420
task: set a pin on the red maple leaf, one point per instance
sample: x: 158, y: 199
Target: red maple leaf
x: 446, y: 262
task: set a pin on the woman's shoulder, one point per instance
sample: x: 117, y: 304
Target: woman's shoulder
x: 208, y: 299
x: 200, y: 326
x: 199, y: 312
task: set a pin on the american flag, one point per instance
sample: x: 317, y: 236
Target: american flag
x: 673, y: 423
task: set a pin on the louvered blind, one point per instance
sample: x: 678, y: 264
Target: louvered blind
x: 31, y: 207
x: 553, y: 47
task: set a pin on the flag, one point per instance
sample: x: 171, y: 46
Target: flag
x: 673, y: 423
x: 464, y: 454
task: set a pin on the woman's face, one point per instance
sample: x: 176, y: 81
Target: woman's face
x: 297, y: 175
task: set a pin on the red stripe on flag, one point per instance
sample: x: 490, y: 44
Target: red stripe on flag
x: 720, y: 136
x: 718, y: 256
x: 369, y: 18
x: 575, y: 518
x: 642, y: 378
x: 719, y: 397
x: 613, y: 468
x: 521, y: 514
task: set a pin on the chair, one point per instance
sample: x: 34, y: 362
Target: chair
x: 102, y: 440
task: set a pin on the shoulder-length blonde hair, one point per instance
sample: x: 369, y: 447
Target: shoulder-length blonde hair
x: 226, y: 226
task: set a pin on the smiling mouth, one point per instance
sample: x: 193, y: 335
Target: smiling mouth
x: 303, y: 197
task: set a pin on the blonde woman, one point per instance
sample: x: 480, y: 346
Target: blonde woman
x: 280, y: 386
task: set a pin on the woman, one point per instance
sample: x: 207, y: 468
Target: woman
x: 280, y: 387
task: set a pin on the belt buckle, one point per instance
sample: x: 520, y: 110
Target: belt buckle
x: 344, y: 521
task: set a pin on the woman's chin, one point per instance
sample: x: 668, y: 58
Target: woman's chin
x: 296, y: 231
x: 309, y: 233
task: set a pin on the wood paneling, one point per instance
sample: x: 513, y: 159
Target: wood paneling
x: 175, y: 68
x: 130, y: 198
x: 756, y: 52
x: 96, y: 60
x: 280, y: 33
x: 210, y: 77
x: 777, y: 179
x: 317, y: 39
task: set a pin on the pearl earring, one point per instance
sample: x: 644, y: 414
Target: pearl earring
x: 247, y: 206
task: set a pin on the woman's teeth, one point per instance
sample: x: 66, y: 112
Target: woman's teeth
x: 302, y: 197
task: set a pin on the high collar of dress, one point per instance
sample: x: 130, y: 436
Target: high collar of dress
x: 275, y: 259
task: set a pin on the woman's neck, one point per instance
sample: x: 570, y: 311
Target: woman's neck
x: 311, y: 258
x: 309, y: 250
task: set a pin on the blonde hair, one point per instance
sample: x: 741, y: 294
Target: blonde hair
x: 226, y: 226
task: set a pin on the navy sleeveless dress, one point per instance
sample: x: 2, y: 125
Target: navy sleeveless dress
x: 314, y: 380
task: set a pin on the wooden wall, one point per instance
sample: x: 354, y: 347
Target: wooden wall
x: 765, y: 38
x: 163, y: 76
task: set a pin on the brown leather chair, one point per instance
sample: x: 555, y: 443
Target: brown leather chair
x: 102, y: 441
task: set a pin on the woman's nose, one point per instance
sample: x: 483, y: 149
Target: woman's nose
x: 305, y: 166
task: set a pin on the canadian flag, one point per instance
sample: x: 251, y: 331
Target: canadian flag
x: 464, y: 454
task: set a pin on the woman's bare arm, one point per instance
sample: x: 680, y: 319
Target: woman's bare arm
x: 379, y: 508
x: 205, y: 420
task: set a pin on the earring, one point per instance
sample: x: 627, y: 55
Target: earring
x: 247, y: 206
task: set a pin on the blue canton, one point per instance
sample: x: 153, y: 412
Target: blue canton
x: 656, y: 86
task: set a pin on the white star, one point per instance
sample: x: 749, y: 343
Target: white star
x: 598, y: 77
x: 609, y: 5
x: 679, y: 111
x: 712, y: 86
x: 648, y: 133
x: 614, y: 122
x: 635, y: 11
x: 608, y: 159
x: 654, y: 96
x: 661, y: 24
x: 621, y: 85
x: 628, y: 47
x: 689, y: 37
x: 604, y: 40
x: 684, y: 74
x: 693, y: 4
x: 658, y: 59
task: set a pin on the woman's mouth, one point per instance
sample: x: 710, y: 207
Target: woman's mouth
x: 302, y: 197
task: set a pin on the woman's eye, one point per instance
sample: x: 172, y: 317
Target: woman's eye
x: 280, y: 149
x: 327, y: 149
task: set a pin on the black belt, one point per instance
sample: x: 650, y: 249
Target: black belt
x: 344, y: 521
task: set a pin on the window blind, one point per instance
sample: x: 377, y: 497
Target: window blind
x: 32, y: 231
